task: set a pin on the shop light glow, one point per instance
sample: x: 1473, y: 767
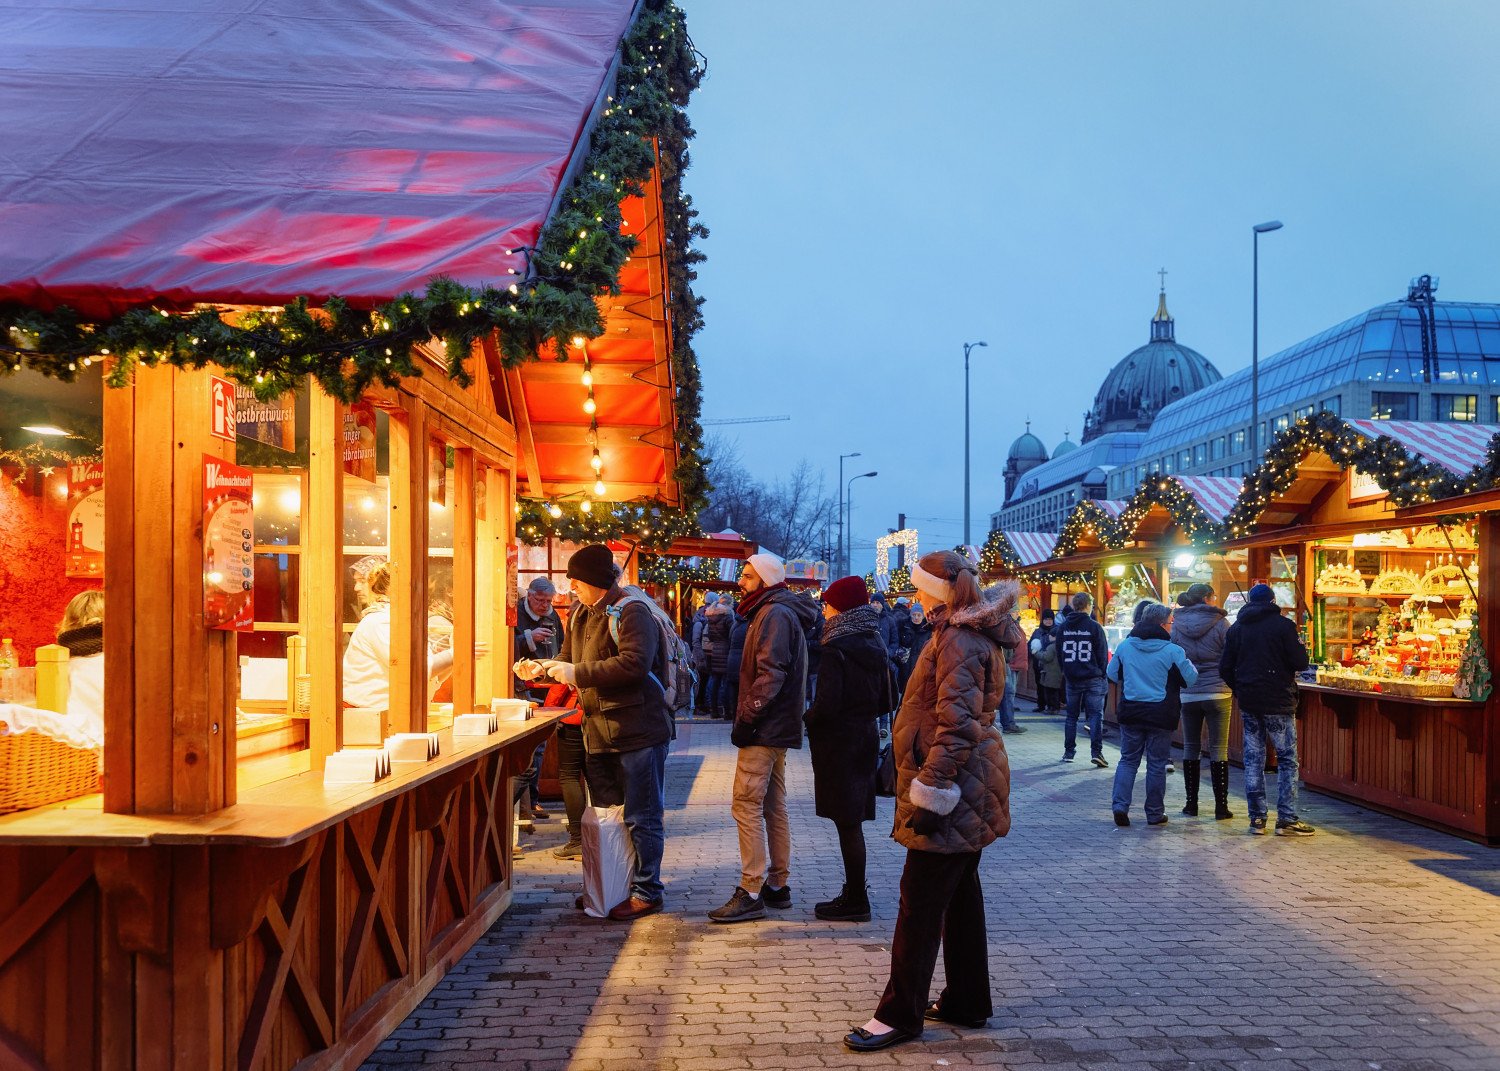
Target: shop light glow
x: 1115, y: 570
x: 46, y: 429
x: 1183, y: 561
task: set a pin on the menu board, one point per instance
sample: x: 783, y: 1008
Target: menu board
x: 228, y: 547
x: 359, y: 441
x: 85, y: 529
x: 273, y: 422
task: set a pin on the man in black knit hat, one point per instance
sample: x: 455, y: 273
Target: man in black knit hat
x: 612, y: 654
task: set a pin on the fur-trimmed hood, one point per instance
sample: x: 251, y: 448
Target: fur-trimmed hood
x: 993, y: 615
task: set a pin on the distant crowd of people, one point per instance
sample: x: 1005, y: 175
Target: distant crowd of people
x: 783, y: 667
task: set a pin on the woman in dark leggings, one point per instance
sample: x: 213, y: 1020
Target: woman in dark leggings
x: 854, y: 689
x: 570, y: 767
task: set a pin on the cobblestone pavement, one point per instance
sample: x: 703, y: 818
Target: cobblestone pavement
x: 1374, y: 946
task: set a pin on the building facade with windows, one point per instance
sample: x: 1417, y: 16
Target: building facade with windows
x: 1416, y: 359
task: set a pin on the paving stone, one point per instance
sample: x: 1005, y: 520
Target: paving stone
x: 1194, y: 948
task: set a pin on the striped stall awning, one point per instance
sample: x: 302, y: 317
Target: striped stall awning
x: 1216, y: 494
x: 1459, y: 448
x: 1032, y: 548
x: 1112, y: 507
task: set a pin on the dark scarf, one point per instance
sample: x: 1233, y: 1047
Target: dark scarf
x: 755, y: 598
x: 85, y: 640
x: 864, y: 618
x: 1143, y: 631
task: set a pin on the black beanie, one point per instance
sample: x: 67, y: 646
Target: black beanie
x: 594, y: 565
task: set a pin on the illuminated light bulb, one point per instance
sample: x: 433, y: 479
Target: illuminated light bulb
x: 588, y: 404
x: 583, y: 233
x: 514, y: 289
x: 555, y: 510
x: 599, y: 488
x: 578, y: 340
x: 289, y: 500
x: 586, y: 506
x: 367, y: 503
x: 596, y: 461
x: 588, y: 378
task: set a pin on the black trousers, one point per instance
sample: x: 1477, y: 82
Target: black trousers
x: 941, y: 904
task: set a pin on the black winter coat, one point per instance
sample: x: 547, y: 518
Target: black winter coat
x: 854, y: 688
x: 623, y: 709
x: 716, y: 626
x: 1262, y: 655
x: 773, y: 675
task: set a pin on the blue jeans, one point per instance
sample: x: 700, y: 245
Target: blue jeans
x: 1156, y: 744
x: 637, y: 779
x: 1085, y: 697
x: 1282, y: 729
x: 1007, y: 701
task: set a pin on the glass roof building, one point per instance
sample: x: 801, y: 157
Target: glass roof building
x: 1416, y: 359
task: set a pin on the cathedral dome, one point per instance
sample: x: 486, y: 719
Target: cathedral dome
x: 1028, y: 448
x: 1067, y: 446
x: 1159, y: 373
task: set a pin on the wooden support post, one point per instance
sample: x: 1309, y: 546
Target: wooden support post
x: 488, y: 672
x: 463, y: 581
x: 1487, y: 540
x: 323, y: 572
x: 171, y: 684
x: 408, y: 531
x: 503, y: 494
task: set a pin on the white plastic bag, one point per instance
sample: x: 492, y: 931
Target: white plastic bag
x: 608, y: 860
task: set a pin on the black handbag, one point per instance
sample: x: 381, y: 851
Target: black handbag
x: 885, y: 773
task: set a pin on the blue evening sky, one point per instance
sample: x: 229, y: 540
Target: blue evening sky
x: 885, y: 181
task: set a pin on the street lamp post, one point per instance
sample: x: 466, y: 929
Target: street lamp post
x: 1256, y: 231
x: 967, y: 347
x: 849, y: 505
x: 840, y: 565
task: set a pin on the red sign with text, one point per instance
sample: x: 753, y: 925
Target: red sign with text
x: 228, y: 546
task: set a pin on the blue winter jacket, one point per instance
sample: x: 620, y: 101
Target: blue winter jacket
x: 1143, y: 665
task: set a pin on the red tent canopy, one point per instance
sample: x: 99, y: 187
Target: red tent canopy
x: 203, y: 151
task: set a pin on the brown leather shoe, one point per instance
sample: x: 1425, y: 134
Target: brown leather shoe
x: 634, y: 908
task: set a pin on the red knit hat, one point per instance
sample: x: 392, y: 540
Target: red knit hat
x: 846, y: 594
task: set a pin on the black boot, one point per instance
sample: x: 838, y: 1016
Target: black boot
x: 848, y: 906
x: 1218, y: 775
x: 1190, y: 782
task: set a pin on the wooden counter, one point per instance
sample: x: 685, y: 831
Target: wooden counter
x: 274, y: 815
x: 1425, y: 759
x: 294, y: 928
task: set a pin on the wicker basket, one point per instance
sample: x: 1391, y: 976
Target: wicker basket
x: 36, y: 770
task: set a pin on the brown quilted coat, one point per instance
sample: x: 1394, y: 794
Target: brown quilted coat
x: 945, y: 733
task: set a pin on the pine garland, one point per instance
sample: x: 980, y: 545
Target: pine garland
x: 1408, y: 481
x: 578, y: 258
x: 669, y: 569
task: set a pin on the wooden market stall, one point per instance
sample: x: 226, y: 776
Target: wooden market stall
x: 1388, y: 599
x: 270, y: 874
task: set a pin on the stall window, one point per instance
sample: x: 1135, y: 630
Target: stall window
x: 1463, y: 408
x: 52, y: 571
x: 275, y: 687
x: 1387, y: 405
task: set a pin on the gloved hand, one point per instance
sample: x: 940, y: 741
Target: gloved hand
x: 923, y: 822
x: 741, y: 733
x: 562, y: 672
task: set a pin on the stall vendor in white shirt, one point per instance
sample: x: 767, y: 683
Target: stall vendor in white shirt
x: 367, y: 660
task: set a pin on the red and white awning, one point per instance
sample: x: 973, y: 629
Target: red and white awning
x: 1031, y: 548
x: 1111, y: 507
x: 1459, y: 448
x: 1216, y: 494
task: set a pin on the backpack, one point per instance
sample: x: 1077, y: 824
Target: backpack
x: 678, y: 687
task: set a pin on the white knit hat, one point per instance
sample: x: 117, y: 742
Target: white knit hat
x: 768, y: 567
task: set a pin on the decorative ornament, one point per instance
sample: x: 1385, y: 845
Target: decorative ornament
x: 1473, y: 668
